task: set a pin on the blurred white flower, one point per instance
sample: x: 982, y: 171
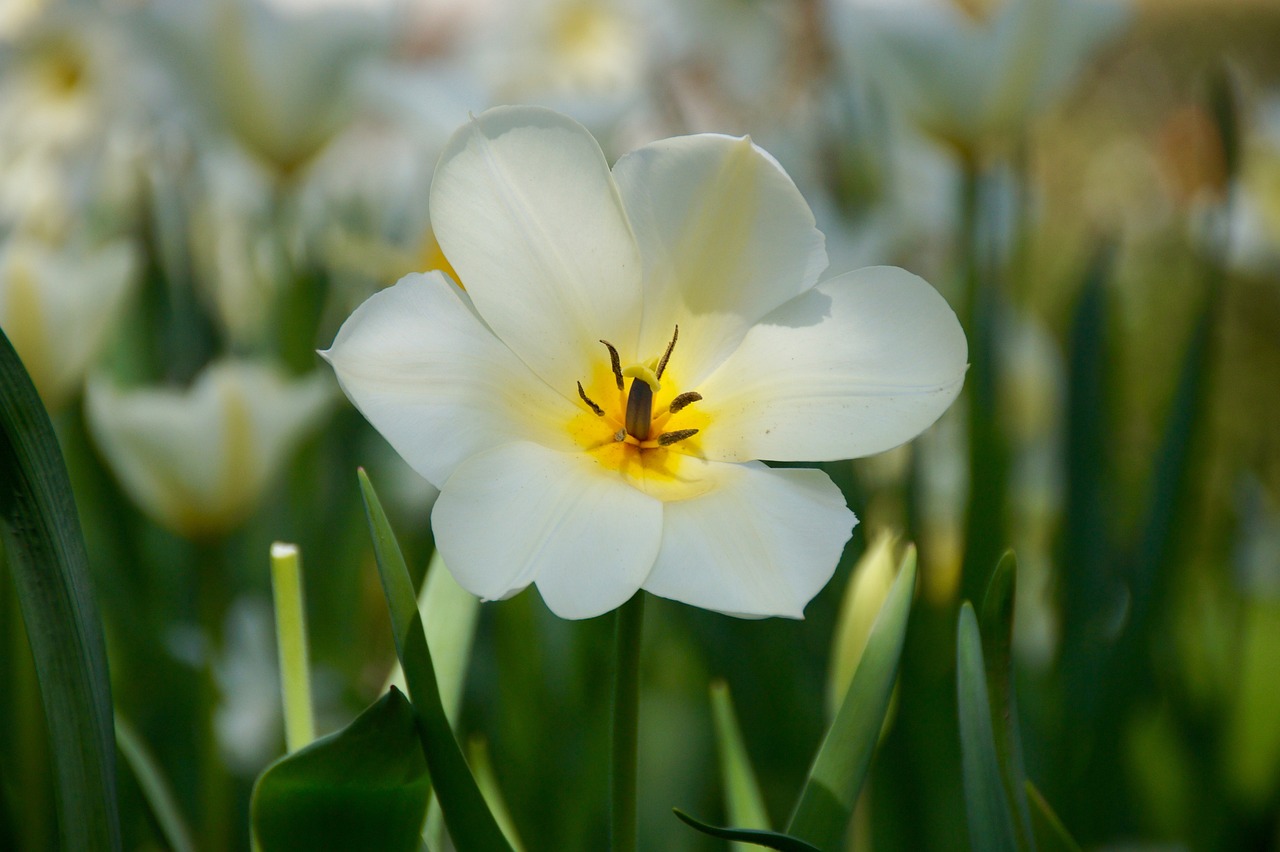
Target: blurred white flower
x: 198, y: 460
x: 59, y: 306
x: 596, y: 469
x: 248, y: 720
x: 69, y: 134
x: 364, y: 202
x: 16, y: 15
x: 587, y: 58
x: 237, y: 243
x: 282, y: 84
x: 973, y: 73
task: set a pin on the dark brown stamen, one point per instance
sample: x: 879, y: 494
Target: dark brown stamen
x: 682, y: 400
x: 615, y: 362
x: 662, y: 365
x: 666, y: 439
x: 597, y: 409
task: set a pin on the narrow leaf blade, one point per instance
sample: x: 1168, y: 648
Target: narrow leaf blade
x: 40, y: 529
x: 997, y: 654
x: 1051, y: 834
x: 470, y: 823
x: 155, y: 788
x: 755, y: 837
x: 743, y: 801
x: 364, y: 787
x: 822, y: 813
x: 990, y: 821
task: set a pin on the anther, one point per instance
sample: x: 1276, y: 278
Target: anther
x: 620, y: 435
x: 662, y: 365
x: 666, y: 439
x: 615, y: 362
x: 597, y: 409
x: 682, y: 400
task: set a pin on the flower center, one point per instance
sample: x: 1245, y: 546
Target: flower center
x: 637, y: 422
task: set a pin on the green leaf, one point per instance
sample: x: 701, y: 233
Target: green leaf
x: 155, y: 788
x: 990, y: 820
x: 755, y: 837
x: 470, y: 823
x: 364, y: 787
x: 997, y: 654
x: 1051, y: 835
x: 826, y: 804
x: 743, y: 802
x: 40, y: 530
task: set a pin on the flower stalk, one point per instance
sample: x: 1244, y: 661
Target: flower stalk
x: 291, y: 641
x: 626, y: 715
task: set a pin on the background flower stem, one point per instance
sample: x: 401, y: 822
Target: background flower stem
x: 626, y: 706
x: 291, y: 639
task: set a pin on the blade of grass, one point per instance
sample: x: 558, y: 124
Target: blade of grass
x: 751, y: 836
x: 466, y: 815
x: 744, y: 804
x: 155, y: 788
x: 990, y: 821
x: 822, y: 813
x: 1051, y: 834
x: 997, y: 655
x: 45, y: 551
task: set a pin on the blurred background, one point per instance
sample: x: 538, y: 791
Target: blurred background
x: 194, y: 195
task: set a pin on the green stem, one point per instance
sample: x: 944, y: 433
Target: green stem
x: 988, y: 466
x: 626, y: 706
x: 212, y: 603
x: 291, y: 641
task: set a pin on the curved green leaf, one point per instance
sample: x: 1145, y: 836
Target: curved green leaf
x: 743, y: 801
x: 826, y: 804
x: 155, y: 788
x: 364, y: 787
x: 997, y: 655
x: 45, y: 550
x: 1051, y: 834
x: 470, y: 823
x: 990, y: 820
x: 755, y: 837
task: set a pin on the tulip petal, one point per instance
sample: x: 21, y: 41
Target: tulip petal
x: 523, y: 513
x: 762, y: 543
x: 526, y: 210
x: 726, y: 237
x: 423, y: 369
x: 858, y: 365
x: 198, y: 459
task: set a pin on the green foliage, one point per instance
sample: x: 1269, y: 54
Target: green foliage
x: 744, y: 803
x: 364, y: 787
x: 991, y: 822
x: 470, y: 823
x: 755, y: 837
x: 40, y: 530
x: 826, y: 804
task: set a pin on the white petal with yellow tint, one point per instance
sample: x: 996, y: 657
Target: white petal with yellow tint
x: 59, y: 306
x: 522, y: 513
x: 424, y: 370
x: 726, y: 237
x: 762, y: 543
x: 860, y: 364
x: 197, y: 460
x: 526, y: 210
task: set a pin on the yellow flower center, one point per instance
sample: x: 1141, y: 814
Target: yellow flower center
x: 637, y: 421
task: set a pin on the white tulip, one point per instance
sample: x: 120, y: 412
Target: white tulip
x: 596, y: 469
